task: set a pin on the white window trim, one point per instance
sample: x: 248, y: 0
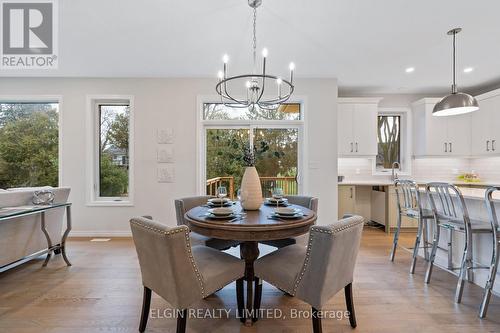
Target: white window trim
x: 44, y: 99
x: 202, y: 125
x: 406, y: 141
x: 92, y: 168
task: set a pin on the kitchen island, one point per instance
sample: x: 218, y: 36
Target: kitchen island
x: 382, y: 208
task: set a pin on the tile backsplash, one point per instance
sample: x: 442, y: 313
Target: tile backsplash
x: 426, y: 169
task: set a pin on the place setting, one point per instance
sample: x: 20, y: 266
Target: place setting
x: 277, y: 198
x: 221, y: 208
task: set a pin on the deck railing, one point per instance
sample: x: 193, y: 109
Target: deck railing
x: 288, y: 184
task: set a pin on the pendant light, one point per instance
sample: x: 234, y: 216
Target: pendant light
x: 456, y: 103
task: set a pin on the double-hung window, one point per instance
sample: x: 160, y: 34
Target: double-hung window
x: 111, y: 158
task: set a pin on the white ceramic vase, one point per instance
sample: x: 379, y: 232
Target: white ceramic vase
x: 251, y: 190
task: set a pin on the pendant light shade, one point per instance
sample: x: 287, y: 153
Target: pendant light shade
x: 456, y: 103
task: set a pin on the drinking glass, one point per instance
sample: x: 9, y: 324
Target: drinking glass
x: 277, y: 194
x: 221, y: 194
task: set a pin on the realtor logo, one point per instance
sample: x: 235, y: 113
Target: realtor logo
x: 29, y: 34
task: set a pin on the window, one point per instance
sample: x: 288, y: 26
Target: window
x: 393, y: 141
x: 274, y: 135
x: 112, y: 160
x: 388, y: 140
x: 29, y: 144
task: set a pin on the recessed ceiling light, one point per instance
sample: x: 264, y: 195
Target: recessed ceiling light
x: 468, y: 69
x: 410, y: 70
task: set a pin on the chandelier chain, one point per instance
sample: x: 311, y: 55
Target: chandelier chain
x: 255, y: 39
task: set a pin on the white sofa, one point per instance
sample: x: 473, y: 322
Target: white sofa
x: 21, y: 237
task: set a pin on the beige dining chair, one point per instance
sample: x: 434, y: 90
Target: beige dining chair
x: 185, y: 204
x: 179, y: 273
x: 316, y: 273
x: 303, y: 201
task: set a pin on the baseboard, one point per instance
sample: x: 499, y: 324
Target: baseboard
x: 100, y: 233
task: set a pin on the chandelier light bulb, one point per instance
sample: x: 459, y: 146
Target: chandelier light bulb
x: 291, y: 66
x: 225, y: 58
x: 220, y: 75
x: 279, y: 81
x: 265, y: 52
x: 247, y: 84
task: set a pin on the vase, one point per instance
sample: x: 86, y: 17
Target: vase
x: 251, y: 190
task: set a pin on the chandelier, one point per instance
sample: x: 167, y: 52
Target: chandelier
x: 262, y: 89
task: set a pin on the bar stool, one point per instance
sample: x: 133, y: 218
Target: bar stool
x: 490, y: 207
x: 450, y: 212
x: 409, y: 205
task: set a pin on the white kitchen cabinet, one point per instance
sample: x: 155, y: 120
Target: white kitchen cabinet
x: 486, y: 125
x: 439, y: 136
x: 357, y: 126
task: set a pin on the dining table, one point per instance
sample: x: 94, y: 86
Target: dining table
x: 250, y: 227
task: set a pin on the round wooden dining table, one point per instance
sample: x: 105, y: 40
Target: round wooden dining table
x: 250, y: 227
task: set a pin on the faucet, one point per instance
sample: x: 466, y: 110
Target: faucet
x: 395, y: 174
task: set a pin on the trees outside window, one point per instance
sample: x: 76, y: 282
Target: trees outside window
x: 29, y: 144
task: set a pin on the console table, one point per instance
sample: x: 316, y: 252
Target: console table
x: 8, y: 213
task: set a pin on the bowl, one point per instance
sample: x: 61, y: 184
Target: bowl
x: 218, y: 201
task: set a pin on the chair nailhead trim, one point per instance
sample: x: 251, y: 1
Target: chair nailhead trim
x: 177, y: 230
x: 308, y: 253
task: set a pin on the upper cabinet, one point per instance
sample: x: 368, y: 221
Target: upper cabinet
x: 486, y: 125
x: 357, y: 126
x: 439, y: 136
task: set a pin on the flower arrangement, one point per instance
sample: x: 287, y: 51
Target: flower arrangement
x: 248, y: 157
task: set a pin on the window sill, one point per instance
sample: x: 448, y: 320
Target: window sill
x: 110, y: 203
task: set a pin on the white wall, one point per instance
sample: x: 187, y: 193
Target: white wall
x: 161, y: 103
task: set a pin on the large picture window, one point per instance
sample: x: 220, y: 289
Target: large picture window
x: 112, y: 162
x: 29, y: 144
x: 274, y: 135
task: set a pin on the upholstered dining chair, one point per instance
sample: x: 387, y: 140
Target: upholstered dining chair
x: 299, y: 200
x: 185, y: 204
x: 316, y: 273
x: 179, y: 273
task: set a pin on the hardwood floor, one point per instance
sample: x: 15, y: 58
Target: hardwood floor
x: 102, y: 292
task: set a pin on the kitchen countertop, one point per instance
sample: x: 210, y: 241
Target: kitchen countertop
x: 474, y: 193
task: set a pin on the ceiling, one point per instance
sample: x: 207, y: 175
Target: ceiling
x: 366, y: 44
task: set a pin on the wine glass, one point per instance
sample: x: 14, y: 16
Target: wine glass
x: 221, y: 194
x: 277, y: 194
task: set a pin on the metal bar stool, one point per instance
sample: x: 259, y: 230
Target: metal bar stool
x: 490, y: 207
x: 409, y: 205
x: 450, y: 212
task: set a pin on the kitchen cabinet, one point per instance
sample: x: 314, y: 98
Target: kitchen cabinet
x: 486, y: 125
x: 357, y: 126
x: 439, y: 136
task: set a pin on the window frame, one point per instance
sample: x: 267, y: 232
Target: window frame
x: 405, y: 135
x: 93, y: 157
x: 203, y: 124
x: 45, y: 99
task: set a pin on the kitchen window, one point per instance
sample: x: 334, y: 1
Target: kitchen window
x: 392, y: 141
x: 112, y: 160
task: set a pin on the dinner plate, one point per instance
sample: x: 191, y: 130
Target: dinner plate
x: 218, y: 201
x: 286, y: 211
x: 221, y: 211
x: 226, y: 204
x: 294, y: 216
x: 218, y: 217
